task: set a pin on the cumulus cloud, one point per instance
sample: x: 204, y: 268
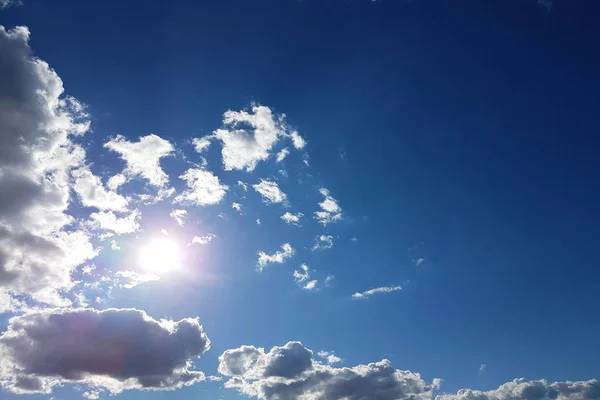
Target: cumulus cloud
x: 292, y: 219
x: 282, y: 155
x: 203, y: 239
x: 201, y: 144
x: 302, y: 278
x: 290, y: 372
x: 92, y: 193
x: 204, y: 188
x: 329, y: 356
x: 270, y: 192
x: 39, y: 244
x: 323, y: 242
x: 114, y: 349
x: 330, y: 210
x: 143, y: 157
x: 109, y: 221
x: 114, y: 245
x: 371, y: 292
x: 129, y: 279
x: 249, y: 137
x: 523, y: 389
x: 297, y: 140
x: 179, y: 216
x: 278, y: 257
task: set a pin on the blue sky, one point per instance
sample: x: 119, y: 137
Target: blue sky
x: 449, y: 146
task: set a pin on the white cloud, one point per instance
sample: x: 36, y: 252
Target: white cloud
x: 329, y: 356
x: 482, y: 367
x: 249, y: 137
x: 290, y: 372
x: 164, y: 232
x: 39, y: 352
x: 178, y: 216
x: 330, y: 210
x: 142, y: 158
x: 297, y: 140
x: 115, y: 181
x: 323, y: 242
x: 203, y: 239
x: 282, y: 155
x: 258, y: 221
x: 10, y: 3
x: 419, y: 261
x: 523, y: 389
x: 371, y: 292
x: 39, y: 244
x: 114, y: 245
x: 329, y: 278
x: 243, y: 185
x: 278, y: 257
x: 201, y: 144
x: 292, y: 219
x: 92, y: 394
x: 310, y: 285
x: 270, y: 192
x: 109, y: 221
x: 302, y: 278
x: 91, y: 192
x: 129, y: 279
x: 204, y: 188
x: 162, y: 194
x: 237, y: 207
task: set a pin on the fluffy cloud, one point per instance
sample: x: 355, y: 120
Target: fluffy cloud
x: 204, y: 188
x: 371, y: 292
x: 201, y: 144
x: 243, y: 185
x: 109, y: 221
x: 142, y: 158
x: 292, y: 219
x: 178, y: 216
x: 39, y: 244
x: 249, y: 137
x: 114, y: 245
x: 329, y: 356
x: 270, y: 192
x: 302, y: 278
x: 92, y: 193
x: 323, y: 242
x: 290, y: 372
x: 278, y: 257
x: 203, y: 239
x: 330, y: 210
x: 237, y: 207
x: 297, y: 140
x: 115, y: 349
x: 523, y: 389
x: 282, y: 155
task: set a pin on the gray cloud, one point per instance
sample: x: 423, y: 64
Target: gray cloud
x: 115, y: 349
x: 290, y: 372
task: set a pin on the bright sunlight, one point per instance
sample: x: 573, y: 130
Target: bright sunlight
x: 160, y: 255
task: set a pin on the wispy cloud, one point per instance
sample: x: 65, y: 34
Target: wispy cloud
x: 203, y: 239
x: 179, y: 216
x: 330, y: 209
x: 379, y: 290
x: 270, y: 192
x: 292, y: 219
x: 323, y: 242
x: 278, y: 257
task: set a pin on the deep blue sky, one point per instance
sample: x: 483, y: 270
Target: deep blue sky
x: 466, y: 131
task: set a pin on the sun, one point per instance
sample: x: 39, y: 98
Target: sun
x: 160, y: 255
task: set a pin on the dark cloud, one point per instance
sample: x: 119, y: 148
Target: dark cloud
x: 290, y: 372
x: 117, y: 349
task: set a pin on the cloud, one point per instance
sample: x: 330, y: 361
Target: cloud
x: 302, y: 278
x: 178, y: 216
x: 249, y: 137
x: 129, y: 279
x: 297, y: 140
x: 201, y: 144
x: 523, y: 389
x: 115, y: 181
x: 142, y: 158
x: 282, y: 155
x: 371, y: 292
x: 323, y: 242
x: 204, y: 188
x: 91, y: 394
x: 237, y: 207
x: 91, y: 192
x: 329, y: 278
x: 290, y: 372
x: 330, y: 210
x: 329, y: 356
x: 270, y: 192
x: 164, y: 232
x: 258, y: 221
x: 114, y: 349
x: 292, y: 219
x: 10, y: 3
x: 40, y: 245
x: 482, y: 367
x: 278, y: 257
x: 243, y: 185
x: 109, y: 221
x: 310, y: 285
x: 203, y: 239
x: 114, y: 245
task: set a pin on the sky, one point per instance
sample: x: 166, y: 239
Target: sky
x: 312, y: 200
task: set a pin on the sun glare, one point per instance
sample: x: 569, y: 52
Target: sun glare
x: 160, y: 255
